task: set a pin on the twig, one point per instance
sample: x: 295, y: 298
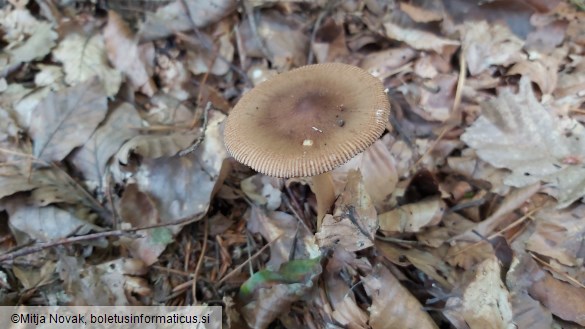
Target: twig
x: 200, y: 261
x: 10, y: 256
x: 201, y: 137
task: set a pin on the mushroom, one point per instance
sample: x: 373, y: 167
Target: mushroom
x: 306, y: 122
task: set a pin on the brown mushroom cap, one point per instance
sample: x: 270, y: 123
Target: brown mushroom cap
x: 307, y: 121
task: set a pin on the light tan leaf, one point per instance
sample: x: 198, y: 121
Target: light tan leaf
x: 485, y: 302
x: 263, y: 190
x: 489, y: 44
x: 392, y: 305
x: 84, y: 58
x: 518, y: 133
x: 122, y: 50
x: 92, y: 158
x: 12, y: 181
x: 65, y: 120
x: 155, y: 146
x: 200, y: 60
x: 413, y: 217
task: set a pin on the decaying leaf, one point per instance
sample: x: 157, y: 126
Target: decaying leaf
x: 118, y: 127
x: 354, y: 222
x: 485, y: 302
x: 563, y: 299
x: 83, y: 58
x: 419, y: 39
x: 263, y: 190
x: 181, y: 186
x: 538, y: 145
x: 290, y: 236
x: 392, y: 305
x: 122, y: 50
x: 75, y: 111
x: 28, y: 38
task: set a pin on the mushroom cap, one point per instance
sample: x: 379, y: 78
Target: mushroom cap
x: 307, y: 121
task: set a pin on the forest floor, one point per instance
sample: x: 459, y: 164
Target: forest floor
x: 116, y: 187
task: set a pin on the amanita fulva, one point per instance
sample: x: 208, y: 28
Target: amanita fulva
x: 306, y: 122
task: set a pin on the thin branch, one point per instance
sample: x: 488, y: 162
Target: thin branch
x: 201, y: 137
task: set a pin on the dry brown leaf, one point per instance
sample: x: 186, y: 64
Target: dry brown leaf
x: 542, y: 71
x: 420, y: 14
x: 181, y: 186
x: 518, y: 133
x: 485, y: 302
x: 330, y: 43
x: 137, y: 209
x: 392, y: 305
x: 179, y: 16
x: 203, y: 60
x: 562, y: 299
x: 122, y: 50
x: 413, y: 217
x: 12, y: 181
x: 418, y: 39
x: 384, y: 63
x: 486, y: 44
x: 66, y: 119
x: 379, y: 175
x: 283, y: 38
x: 155, y: 146
x: 354, y: 222
x: 92, y: 158
x: 559, y: 235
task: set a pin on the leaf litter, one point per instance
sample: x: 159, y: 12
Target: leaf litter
x: 116, y: 189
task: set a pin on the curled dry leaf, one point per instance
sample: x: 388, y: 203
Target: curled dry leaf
x: 84, y: 58
x: 485, y: 302
x: 413, y: 217
x: 392, y: 305
x: 122, y: 50
x: 518, y: 133
x: 419, y: 39
x: 354, y: 223
x: 155, y: 146
x: 73, y: 112
x: 118, y: 127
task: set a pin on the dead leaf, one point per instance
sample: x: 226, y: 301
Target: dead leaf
x: 84, y: 58
x: 263, y: 190
x: 413, y: 217
x: 75, y: 111
x: 354, y: 222
x: 91, y: 159
x: 485, y: 302
x: 181, y: 186
x: 485, y: 45
x: 564, y: 300
x: 392, y: 305
x: 419, y: 39
x: 538, y: 145
x: 122, y: 50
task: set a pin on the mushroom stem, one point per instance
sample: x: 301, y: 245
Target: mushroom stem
x: 322, y: 186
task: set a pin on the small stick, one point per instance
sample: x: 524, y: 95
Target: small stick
x: 199, y: 139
